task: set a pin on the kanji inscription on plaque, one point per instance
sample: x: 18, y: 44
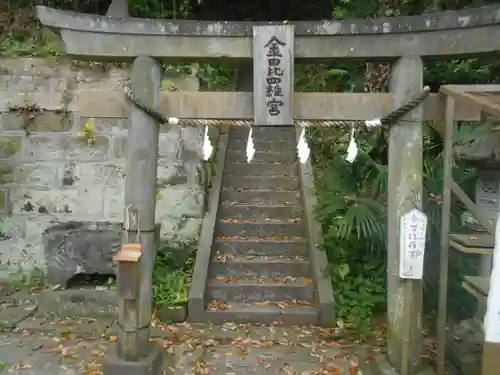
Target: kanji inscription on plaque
x: 273, y: 75
x: 413, y: 229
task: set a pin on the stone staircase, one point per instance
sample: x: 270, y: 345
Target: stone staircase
x: 260, y: 269
x: 258, y: 259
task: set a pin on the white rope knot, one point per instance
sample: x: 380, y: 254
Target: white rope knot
x: 173, y: 121
x: 352, y: 149
x: 373, y: 123
x: 303, y: 150
x: 207, y: 146
x: 250, y: 147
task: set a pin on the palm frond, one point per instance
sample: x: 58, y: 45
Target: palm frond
x: 360, y: 217
x: 466, y: 132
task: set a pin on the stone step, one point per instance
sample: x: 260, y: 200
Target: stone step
x: 282, y: 156
x: 258, y: 182
x: 240, y: 313
x: 264, y: 133
x: 260, y: 229
x: 261, y: 169
x: 241, y: 145
x: 248, y: 266
x: 257, y: 247
x: 241, y: 289
x: 260, y: 212
x: 260, y: 197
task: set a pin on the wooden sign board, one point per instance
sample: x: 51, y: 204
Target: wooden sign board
x: 413, y: 229
x: 273, y: 72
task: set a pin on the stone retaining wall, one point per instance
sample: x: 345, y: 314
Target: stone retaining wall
x: 49, y: 175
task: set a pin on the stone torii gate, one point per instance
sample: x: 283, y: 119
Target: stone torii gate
x: 402, y: 40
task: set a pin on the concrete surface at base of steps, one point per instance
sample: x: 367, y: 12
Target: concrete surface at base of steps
x: 46, y: 345
x: 42, y: 355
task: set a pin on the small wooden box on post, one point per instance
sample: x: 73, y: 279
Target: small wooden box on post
x: 128, y: 271
x: 134, y: 354
x: 127, y: 290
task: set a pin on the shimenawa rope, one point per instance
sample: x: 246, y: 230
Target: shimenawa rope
x: 388, y: 120
x: 303, y: 150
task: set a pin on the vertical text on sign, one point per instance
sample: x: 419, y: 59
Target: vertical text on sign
x: 273, y: 70
x: 413, y: 235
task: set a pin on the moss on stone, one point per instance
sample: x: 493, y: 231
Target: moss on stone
x: 9, y: 146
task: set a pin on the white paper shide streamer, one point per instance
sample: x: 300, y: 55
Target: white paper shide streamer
x: 303, y: 150
x: 207, y: 146
x: 250, y: 147
x: 352, y: 149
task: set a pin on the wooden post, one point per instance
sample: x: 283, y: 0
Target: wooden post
x: 485, y: 260
x: 445, y: 231
x: 485, y: 263
x: 273, y: 72
x: 405, y: 193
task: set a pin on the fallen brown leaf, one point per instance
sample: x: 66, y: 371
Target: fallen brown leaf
x: 21, y: 366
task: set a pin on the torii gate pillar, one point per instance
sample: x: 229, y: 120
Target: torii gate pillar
x: 134, y: 354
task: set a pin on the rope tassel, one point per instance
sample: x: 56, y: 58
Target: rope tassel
x: 303, y: 150
x: 207, y: 146
x: 250, y: 147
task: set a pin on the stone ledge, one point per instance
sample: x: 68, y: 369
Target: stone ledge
x: 30, y: 66
x: 88, y: 303
x: 324, y: 292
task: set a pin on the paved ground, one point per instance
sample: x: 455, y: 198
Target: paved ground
x: 77, y: 347
x: 35, y: 342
